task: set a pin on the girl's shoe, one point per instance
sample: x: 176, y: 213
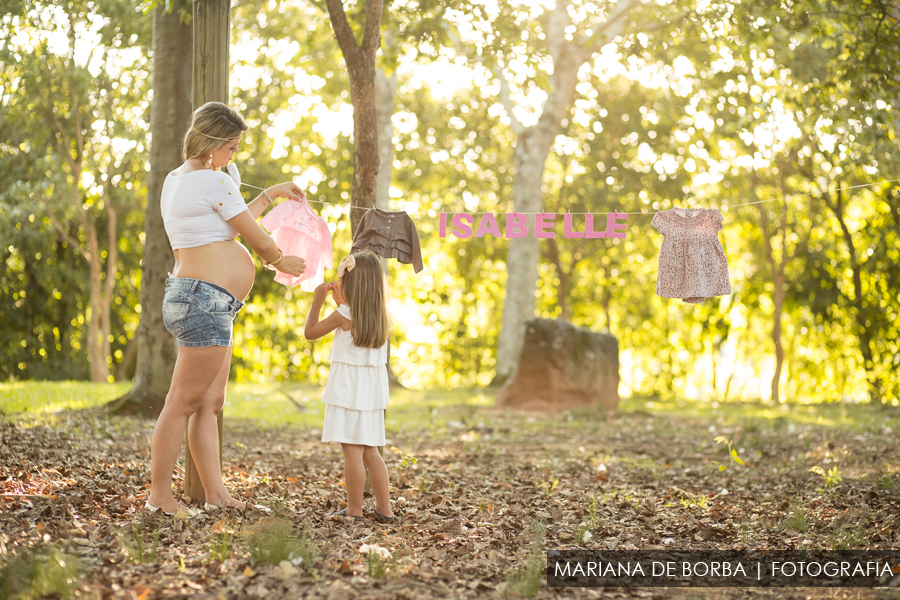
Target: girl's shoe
x: 343, y: 513
x: 188, y: 512
x: 380, y: 518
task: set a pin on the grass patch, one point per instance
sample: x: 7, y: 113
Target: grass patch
x: 138, y: 549
x: 848, y: 534
x: 434, y: 411
x: 796, y: 520
x: 757, y: 416
x: 271, y: 405
x: 219, y: 547
x: 54, y: 396
x: 274, y: 540
x: 39, y: 572
x: 526, y: 579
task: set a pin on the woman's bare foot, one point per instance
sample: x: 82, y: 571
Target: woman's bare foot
x: 227, y: 502
x: 168, y: 505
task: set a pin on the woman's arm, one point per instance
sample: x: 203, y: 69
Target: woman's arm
x: 282, y: 190
x: 259, y: 205
x: 264, y: 245
x: 315, y: 328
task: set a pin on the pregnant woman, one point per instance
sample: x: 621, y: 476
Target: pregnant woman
x: 204, y: 212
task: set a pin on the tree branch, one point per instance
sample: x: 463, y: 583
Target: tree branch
x: 342, y: 30
x: 65, y: 234
x: 613, y: 25
x: 372, y: 32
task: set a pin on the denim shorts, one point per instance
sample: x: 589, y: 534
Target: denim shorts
x: 198, y: 313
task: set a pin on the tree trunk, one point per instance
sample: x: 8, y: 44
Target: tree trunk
x: 212, y: 38
x: 99, y: 366
x: 529, y: 157
x: 112, y: 257
x: 385, y: 94
x: 360, y: 59
x: 778, y: 297
x: 522, y: 259
x: 876, y: 391
x: 170, y: 116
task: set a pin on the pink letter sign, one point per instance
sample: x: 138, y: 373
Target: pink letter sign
x: 462, y: 225
x: 488, y: 225
x: 516, y: 225
x: 540, y: 226
x: 612, y: 227
x: 570, y: 233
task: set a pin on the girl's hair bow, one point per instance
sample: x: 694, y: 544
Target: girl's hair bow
x: 346, y: 265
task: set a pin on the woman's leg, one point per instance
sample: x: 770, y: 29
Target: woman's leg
x: 195, y: 371
x: 378, y: 474
x: 203, y: 436
x: 354, y: 478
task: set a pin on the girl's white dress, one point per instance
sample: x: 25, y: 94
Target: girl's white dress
x: 356, y: 393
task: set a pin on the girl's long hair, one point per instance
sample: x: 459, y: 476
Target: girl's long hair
x: 365, y: 290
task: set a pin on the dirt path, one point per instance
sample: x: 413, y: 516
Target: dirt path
x: 470, y: 496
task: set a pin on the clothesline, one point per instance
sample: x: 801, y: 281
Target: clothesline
x: 642, y: 213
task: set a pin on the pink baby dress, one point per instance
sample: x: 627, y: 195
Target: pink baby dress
x: 692, y: 264
x: 299, y: 231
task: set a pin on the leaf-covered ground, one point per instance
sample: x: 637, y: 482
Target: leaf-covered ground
x: 73, y: 484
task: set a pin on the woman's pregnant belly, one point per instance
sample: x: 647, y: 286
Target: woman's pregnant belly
x: 227, y: 264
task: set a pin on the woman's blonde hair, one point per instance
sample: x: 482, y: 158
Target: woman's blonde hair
x: 365, y: 290
x: 212, y: 126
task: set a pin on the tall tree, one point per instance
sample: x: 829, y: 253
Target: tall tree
x: 71, y: 116
x: 563, y: 55
x: 360, y: 60
x: 170, y: 114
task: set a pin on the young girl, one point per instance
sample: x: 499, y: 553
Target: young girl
x: 357, y: 390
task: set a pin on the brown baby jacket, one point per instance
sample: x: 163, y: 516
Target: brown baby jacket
x: 391, y: 235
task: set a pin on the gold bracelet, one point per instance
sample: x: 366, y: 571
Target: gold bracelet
x: 275, y: 263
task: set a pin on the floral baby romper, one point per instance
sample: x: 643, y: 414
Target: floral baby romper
x: 692, y: 264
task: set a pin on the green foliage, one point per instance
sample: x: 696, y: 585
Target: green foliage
x: 848, y: 533
x: 796, y: 520
x: 708, y: 106
x: 831, y: 478
x: 139, y: 546
x: 732, y: 454
x: 377, y: 562
x: 39, y: 572
x: 219, y: 546
x: 525, y: 580
x: 274, y: 540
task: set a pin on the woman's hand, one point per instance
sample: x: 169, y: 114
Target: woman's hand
x: 286, y: 190
x: 336, y: 293
x: 292, y: 265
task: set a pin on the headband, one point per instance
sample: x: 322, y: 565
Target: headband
x: 212, y: 136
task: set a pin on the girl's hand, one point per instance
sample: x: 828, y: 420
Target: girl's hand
x: 320, y: 292
x: 286, y: 190
x: 292, y: 265
x: 336, y: 293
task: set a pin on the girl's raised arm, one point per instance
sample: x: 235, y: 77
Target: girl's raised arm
x: 315, y: 328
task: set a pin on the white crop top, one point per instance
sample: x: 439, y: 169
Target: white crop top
x: 343, y: 350
x: 196, y: 207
